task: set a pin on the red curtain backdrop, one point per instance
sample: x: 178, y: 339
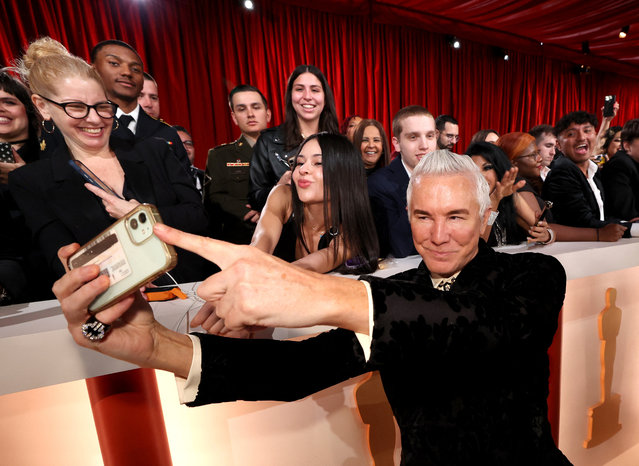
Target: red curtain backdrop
x: 198, y: 50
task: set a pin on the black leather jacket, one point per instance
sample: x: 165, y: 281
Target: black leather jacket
x: 269, y: 163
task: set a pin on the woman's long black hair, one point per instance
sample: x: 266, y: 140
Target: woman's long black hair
x: 346, y: 205
x: 328, y: 118
x: 501, y: 164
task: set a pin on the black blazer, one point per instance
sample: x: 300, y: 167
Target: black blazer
x: 59, y: 210
x: 465, y: 371
x: 387, y: 193
x: 620, y: 178
x: 574, y: 203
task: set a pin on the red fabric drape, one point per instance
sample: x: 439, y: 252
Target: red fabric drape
x: 198, y: 50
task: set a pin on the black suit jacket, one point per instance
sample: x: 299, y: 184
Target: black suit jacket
x: 620, y: 179
x: 574, y: 203
x: 465, y: 371
x: 387, y: 193
x: 59, y: 210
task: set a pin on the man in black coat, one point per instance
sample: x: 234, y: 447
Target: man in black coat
x: 620, y: 176
x: 461, y: 342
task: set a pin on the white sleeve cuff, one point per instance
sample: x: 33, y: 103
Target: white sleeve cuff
x: 187, y: 388
x: 366, y: 340
x: 634, y: 230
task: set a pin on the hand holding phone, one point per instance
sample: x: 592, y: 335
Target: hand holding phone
x: 129, y: 253
x: 544, y: 212
x: 6, y: 153
x: 609, y: 106
x: 9, y: 161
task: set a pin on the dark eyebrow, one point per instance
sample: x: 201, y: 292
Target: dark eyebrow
x: 120, y: 59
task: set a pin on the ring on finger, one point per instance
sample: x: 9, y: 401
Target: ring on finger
x: 95, y: 330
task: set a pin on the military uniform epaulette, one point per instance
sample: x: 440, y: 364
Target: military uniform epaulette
x: 238, y: 142
x: 224, y: 145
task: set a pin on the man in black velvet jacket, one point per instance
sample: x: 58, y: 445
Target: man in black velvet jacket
x: 461, y: 342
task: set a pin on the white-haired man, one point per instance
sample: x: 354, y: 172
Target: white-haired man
x: 460, y: 342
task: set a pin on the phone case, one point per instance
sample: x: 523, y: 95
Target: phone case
x: 6, y: 153
x: 129, y: 253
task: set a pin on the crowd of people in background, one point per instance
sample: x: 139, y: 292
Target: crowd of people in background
x: 324, y: 196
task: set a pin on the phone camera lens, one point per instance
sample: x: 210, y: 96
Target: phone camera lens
x: 142, y: 217
x: 134, y: 223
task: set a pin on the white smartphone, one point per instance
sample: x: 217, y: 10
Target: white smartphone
x: 129, y: 253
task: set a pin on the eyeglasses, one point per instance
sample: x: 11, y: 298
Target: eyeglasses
x: 532, y: 155
x: 80, y: 110
x: 452, y: 137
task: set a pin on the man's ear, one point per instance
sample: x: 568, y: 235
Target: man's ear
x: 484, y: 221
x: 268, y: 115
x: 625, y: 145
x: 42, y: 106
x: 396, y: 144
x: 234, y: 118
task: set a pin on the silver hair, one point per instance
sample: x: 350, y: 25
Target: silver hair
x: 446, y: 163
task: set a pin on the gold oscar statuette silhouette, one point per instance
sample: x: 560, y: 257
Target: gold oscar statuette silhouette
x: 376, y: 413
x: 603, y: 417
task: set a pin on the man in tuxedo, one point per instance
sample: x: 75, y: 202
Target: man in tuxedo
x: 122, y: 72
x: 573, y: 184
x: 620, y: 176
x: 414, y: 136
x: 461, y: 342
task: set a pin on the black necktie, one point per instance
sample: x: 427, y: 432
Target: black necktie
x: 125, y: 120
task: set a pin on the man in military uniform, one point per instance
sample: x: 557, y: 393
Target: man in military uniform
x: 227, y: 167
